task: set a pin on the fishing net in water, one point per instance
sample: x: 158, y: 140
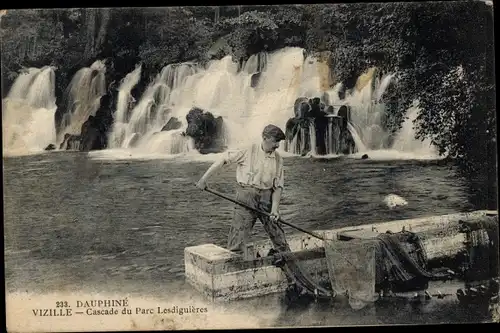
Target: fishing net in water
x: 360, y: 267
x: 352, y: 269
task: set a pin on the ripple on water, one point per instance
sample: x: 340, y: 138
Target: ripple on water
x: 134, y: 240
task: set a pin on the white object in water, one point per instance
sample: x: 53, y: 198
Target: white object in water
x: 393, y: 200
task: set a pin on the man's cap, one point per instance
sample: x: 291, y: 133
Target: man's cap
x: 273, y: 131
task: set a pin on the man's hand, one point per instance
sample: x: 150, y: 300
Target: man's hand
x: 275, y: 216
x: 201, y: 184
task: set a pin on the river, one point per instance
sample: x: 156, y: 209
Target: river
x: 79, y: 222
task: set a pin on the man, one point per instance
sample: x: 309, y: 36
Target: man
x: 260, y: 179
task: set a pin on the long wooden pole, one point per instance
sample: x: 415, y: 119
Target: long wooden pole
x: 264, y: 213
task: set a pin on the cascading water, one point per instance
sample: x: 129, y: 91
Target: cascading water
x: 123, y: 104
x: 152, y: 111
x: 367, y: 111
x: 366, y: 120
x: 382, y: 86
x: 367, y: 117
x: 260, y: 91
x: 224, y: 90
x: 405, y: 140
x: 285, y: 78
x: 28, y: 112
x: 357, y: 139
x: 332, y: 138
x: 312, y: 138
x: 82, y: 98
x: 317, y: 131
x: 256, y: 63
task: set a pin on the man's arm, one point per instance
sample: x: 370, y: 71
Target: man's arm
x: 276, y: 198
x: 214, y: 168
x: 228, y: 158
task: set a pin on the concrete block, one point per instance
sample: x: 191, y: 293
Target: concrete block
x: 220, y: 274
x: 435, y: 227
x: 357, y: 234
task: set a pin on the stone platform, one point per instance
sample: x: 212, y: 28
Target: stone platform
x: 220, y: 274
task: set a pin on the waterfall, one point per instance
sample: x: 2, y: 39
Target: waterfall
x: 405, y: 140
x: 170, y: 142
x: 332, y: 135
x: 224, y: 88
x: 381, y: 88
x: 124, y: 101
x: 248, y: 96
x: 292, y: 145
x: 357, y: 139
x: 28, y: 112
x: 82, y: 98
x: 367, y: 112
x: 153, y: 110
x: 256, y: 63
x: 330, y: 138
x: 368, y: 115
x: 312, y: 138
x: 310, y: 85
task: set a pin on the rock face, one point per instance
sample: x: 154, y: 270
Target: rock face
x: 70, y: 142
x: 93, y: 135
x: 90, y: 135
x: 172, y: 124
x: 94, y: 131
x: 316, y: 129
x: 206, y: 130
x: 254, y: 81
x: 50, y: 147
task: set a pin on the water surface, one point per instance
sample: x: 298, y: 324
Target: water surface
x: 77, y: 223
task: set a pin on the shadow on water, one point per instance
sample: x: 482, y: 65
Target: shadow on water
x: 336, y: 313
